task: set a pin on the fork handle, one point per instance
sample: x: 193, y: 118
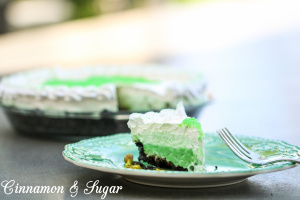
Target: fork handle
x: 284, y: 159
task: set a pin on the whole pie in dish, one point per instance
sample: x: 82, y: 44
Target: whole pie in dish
x: 98, y: 92
x: 95, y: 89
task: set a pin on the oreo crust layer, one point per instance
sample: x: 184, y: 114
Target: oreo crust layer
x: 36, y: 123
x: 156, y: 161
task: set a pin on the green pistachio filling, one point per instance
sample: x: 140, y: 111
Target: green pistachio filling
x: 192, y: 123
x: 98, y: 81
x: 180, y: 149
x: 179, y: 156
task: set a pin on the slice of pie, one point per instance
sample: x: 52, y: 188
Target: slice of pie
x: 169, y: 139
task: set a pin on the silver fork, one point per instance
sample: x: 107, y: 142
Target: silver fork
x: 244, y: 153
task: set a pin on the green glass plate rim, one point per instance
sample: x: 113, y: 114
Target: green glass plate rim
x: 67, y: 153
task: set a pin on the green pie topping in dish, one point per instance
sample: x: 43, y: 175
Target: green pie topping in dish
x: 98, y: 81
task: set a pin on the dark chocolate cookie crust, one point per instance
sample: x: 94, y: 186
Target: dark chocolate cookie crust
x: 156, y: 161
x: 36, y: 122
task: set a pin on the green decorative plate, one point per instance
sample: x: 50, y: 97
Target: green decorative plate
x: 222, y: 166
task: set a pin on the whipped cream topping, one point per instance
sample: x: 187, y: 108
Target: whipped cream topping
x: 167, y: 120
x: 164, y: 116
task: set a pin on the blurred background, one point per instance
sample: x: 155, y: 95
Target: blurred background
x: 247, y: 49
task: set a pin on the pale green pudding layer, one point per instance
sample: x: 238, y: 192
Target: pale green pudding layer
x: 98, y: 81
x: 170, y: 134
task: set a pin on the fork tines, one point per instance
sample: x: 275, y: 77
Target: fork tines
x: 234, y: 144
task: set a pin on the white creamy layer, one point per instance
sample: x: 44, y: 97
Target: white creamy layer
x: 144, y: 126
x: 162, y: 129
x: 169, y: 116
